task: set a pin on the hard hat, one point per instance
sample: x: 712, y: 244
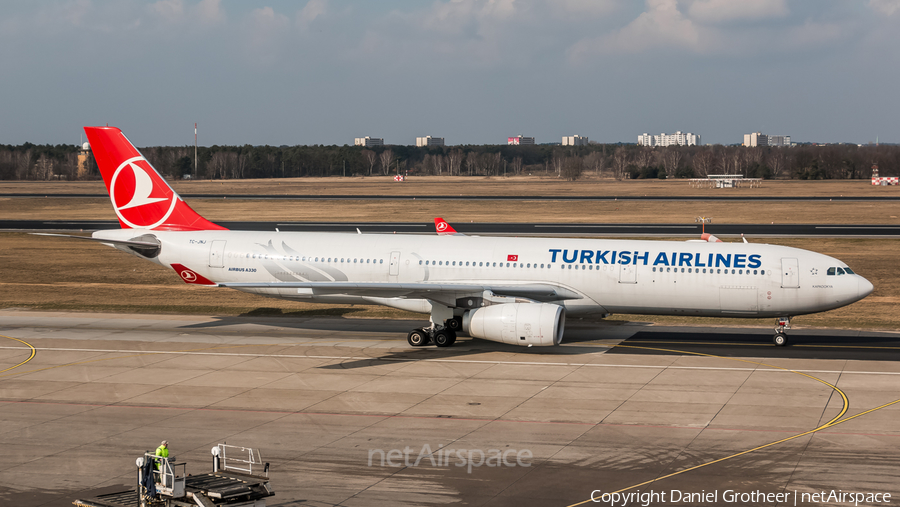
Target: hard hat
x: 164, y: 442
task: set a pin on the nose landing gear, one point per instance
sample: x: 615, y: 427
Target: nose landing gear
x: 780, y: 339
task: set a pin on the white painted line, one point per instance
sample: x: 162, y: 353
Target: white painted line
x: 761, y: 368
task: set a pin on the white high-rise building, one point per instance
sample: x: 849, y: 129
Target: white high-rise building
x: 520, y: 140
x: 368, y: 141
x: 429, y: 141
x: 574, y: 141
x: 759, y: 139
x: 679, y: 138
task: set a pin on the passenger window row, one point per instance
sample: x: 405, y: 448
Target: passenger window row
x: 473, y: 264
x: 716, y: 271
x: 303, y: 258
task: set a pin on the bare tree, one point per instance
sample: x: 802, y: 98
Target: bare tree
x: 572, y: 168
x: 644, y: 157
x: 737, y: 161
x: 593, y: 161
x: 23, y: 164
x: 454, y: 161
x: 216, y: 166
x: 517, y: 165
x: 558, y: 161
x: 471, y: 162
x: 777, y: 162
x: 387, y: 158
x: 672, y: 159
x: 620, y: 162
x: 440, y: 163
x: 490, y: 162
x: 43, y: 168
x: 371, y: 158
x: 703, y: 162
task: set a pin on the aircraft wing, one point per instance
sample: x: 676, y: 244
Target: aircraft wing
x: 420, y: 290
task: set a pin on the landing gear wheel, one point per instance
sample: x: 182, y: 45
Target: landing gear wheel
x: 417, y: 337
x: 444, y: 338
x: 780, y: 339
x: 454, y: 324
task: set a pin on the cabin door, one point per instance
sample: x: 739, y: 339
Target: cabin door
x: 790, y: 274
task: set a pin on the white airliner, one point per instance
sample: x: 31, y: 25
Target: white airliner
x: 509, y: 290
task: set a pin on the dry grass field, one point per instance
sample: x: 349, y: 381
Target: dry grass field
x: 740, y: 212
x: 49, y: 273
x: 475, y: 185
x: 377, y: 210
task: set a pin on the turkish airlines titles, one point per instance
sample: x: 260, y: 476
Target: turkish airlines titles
x: 685, y: 259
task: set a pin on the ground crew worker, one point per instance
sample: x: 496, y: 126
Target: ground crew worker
x: 163, y: 452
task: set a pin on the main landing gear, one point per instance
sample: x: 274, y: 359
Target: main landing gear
x: 442, y: 336
x: 780, y: 339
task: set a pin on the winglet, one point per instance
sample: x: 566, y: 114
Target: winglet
x: 443, y: 228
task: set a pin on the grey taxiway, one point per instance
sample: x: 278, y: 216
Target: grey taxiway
x: 618, y: 406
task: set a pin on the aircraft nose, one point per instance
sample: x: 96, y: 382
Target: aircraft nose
x: 865, y: 287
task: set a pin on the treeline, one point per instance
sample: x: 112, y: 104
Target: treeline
x: 44, y: 162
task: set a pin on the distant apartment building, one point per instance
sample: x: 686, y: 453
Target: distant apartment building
x: 574, y: 141
x: 368, y: 141
x: 429, y: 141
x: 519, y: 140
x: 759, y: 139
x: 679, y: 138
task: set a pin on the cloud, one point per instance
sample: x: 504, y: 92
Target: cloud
x: 312, y: 10
x: 210, y: 11
x: 716, y: 11
x: 660, y: 26
x: 887, y: 7
x: 170, y: 10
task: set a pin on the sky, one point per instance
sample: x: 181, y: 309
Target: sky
x: 471, y: 71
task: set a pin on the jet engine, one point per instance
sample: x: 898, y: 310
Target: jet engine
x: 524, y: 324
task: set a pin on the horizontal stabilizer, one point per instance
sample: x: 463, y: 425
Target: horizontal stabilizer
x: 123, y: 242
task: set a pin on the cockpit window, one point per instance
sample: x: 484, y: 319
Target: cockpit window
x: 840, y: 271
x: 830, y: 271
x: 849, y: 271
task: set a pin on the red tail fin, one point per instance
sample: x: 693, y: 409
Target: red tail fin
x: 140, y: 196
x: 442, y: 227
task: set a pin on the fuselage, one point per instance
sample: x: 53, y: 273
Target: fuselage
x: 612, y: 276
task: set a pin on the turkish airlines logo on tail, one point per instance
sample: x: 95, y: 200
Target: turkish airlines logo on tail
x: 141, y: 198
x: 442, y: 226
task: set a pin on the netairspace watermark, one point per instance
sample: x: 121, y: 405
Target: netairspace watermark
x: 469, y: 458
x: 675, y: 496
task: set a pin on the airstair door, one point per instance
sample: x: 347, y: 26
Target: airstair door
x: 395, y: 263
x: 790, y: 274
x: 217, y: 254
x: 627, y: 273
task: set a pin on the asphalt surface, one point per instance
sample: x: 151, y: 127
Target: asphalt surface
x: 506, y: 228
x: 607, y: 410
x: 380, y: 197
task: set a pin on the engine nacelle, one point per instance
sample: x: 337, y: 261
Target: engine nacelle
x: 517, y: 323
